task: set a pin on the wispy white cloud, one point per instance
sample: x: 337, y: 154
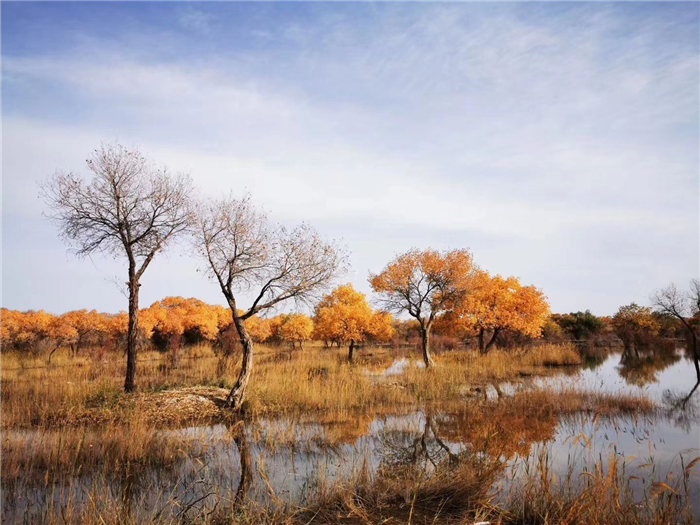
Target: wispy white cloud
x: 195, y: 19
x: 549, y: 153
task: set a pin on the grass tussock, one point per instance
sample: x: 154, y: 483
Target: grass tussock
x: 456, y: 489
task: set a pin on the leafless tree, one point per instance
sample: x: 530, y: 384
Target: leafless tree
x: 246, y: 253
x: 671, y: 301
x: 694, y: 296
x: 127, y: 208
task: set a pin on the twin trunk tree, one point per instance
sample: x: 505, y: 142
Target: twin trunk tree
x: 246, y: 254
x: 128, y: 209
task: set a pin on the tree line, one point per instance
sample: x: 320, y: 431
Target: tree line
x: 174, y: 322
x: 130, y: 209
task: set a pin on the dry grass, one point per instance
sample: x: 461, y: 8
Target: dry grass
x: 436, y: 487
x: 88, y: 390
x: 602, y: 494
x: 85, y: 438
x: 69, y: 451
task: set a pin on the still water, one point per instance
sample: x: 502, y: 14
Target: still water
x: 281, y: 462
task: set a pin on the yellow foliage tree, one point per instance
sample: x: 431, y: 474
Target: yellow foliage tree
x: 345, y: 316
x: 296, y: 328
x: 494, y: 304
x: 635, y: 325
x: 177, y: 317
x: 117, y: 326
x: 381, y: 327
x: 275, y: 325
x: 10, y: 323
x: 26, y: 329
x: 84, y: 323
x: 425, y: 284
x: 63, y: 332
x: 259, y: 328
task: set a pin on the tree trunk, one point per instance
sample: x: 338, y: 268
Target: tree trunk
x: 425, y: 340
x: 237, y: 394
x: 693, y: 347
x: 482, y: 343
x: 492, y: 341
x: 132, y: 334
x: 52, y: 352
x: 241, y: 440
x: 352, y: 348
x: 696, y: 357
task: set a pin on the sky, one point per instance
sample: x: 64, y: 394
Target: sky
x: 556, y: 141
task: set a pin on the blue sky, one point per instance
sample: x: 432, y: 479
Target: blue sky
x: 559, y: 142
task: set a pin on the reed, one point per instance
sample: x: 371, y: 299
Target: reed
x: 88, y: 389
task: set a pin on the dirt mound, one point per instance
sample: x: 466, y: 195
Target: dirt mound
x: 183, y: 404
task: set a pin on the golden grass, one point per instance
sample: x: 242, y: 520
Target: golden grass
x: 316, y: 386
x: 88, y: 390
x: 69, y: 451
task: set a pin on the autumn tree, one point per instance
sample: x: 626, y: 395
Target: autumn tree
x: 495, y: 304
x: 425, y: 284
x: 24, y: 330
x: 381, y: 327
x: 296, y: 329
x: 635, y: 325
x: 85, y: 324
x: 345, y: 317
x: 10, y: 322
x: 62, y: 332
x: 247, y: 254
x: 259, y: 328
x: 275, y: 325
x: 127, y: 209
x: 580, y: 325
x: 175, y: 318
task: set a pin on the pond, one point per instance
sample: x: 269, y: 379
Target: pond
x: 291, y: 461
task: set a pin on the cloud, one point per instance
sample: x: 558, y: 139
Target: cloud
x: 556, y: 153
x: 195, y: 19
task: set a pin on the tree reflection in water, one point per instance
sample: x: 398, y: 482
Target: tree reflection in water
x: 641, y: 368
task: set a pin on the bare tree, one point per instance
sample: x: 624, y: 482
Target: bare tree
x: 246, y: 253
x: 682, y: 306
x: 128, y: 208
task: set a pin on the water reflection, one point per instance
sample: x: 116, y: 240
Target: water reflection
x: 641, y: 367
x: 489, y: 446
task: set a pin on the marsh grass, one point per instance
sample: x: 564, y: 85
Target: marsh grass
x: 602, y: 493
x: 418, y: 480
x: 86, y: 390
x: 89, y: 454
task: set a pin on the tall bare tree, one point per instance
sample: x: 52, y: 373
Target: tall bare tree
x: 683, y: 306
x: 128, y: 208
x: 247, y: 254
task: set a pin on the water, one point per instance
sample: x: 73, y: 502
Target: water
x: 278, y: 462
